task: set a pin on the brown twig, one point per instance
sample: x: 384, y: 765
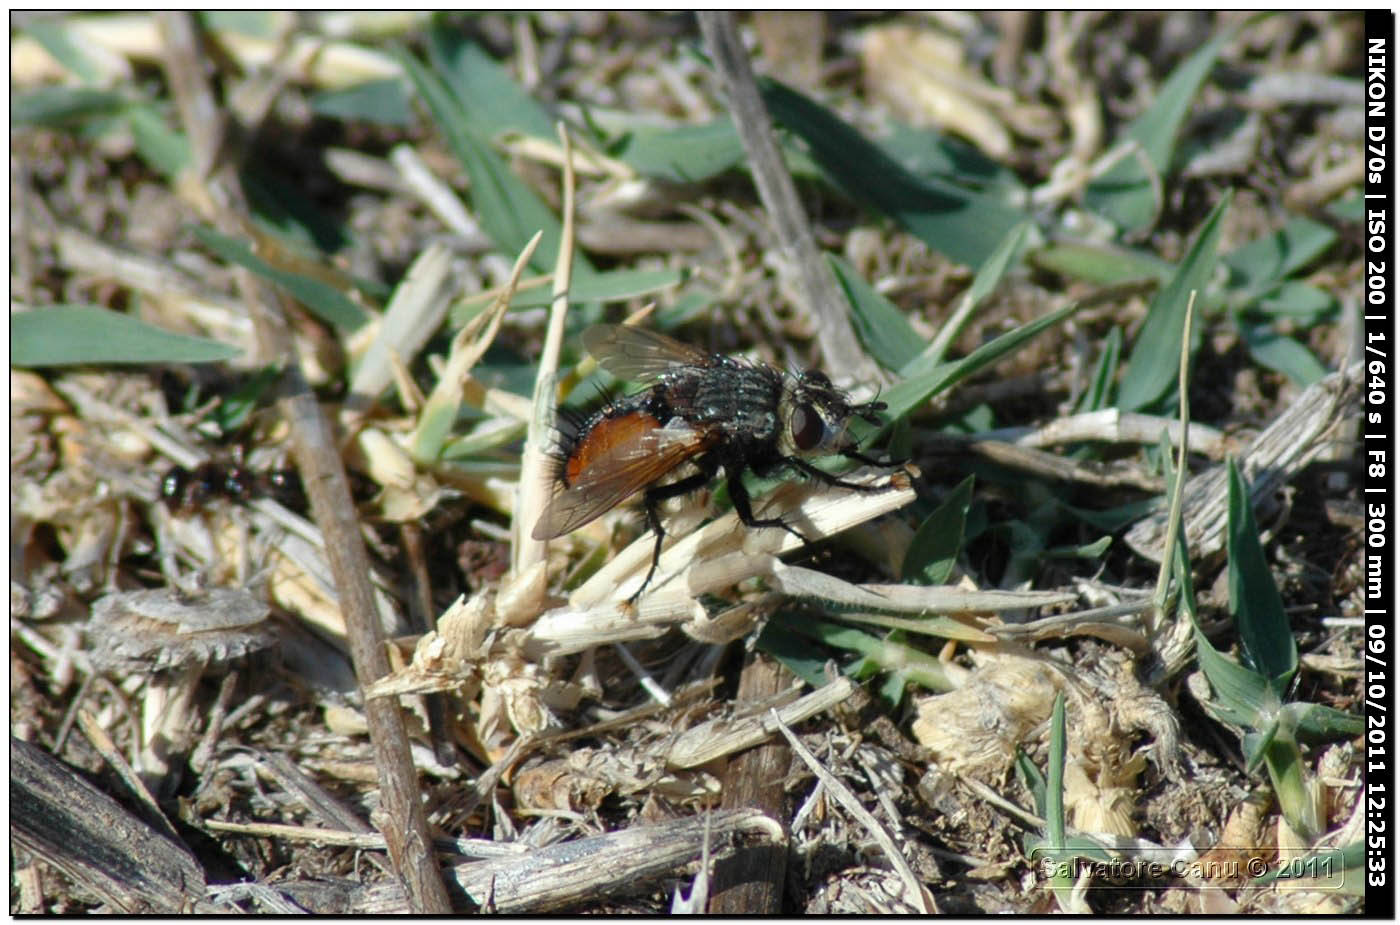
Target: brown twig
x: 221, y: 201
x: 751, y: 882
x: 420, y: 608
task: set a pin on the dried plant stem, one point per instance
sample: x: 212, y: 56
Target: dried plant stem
x: 217, y: 191
x: 882, y: 836
x: 810, y: 273
x: 534, y: 464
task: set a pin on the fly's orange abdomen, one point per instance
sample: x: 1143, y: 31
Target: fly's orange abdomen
x: 603, y: 438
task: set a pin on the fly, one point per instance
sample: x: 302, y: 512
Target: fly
x: 710, y: 411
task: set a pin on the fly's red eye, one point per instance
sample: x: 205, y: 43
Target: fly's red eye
x: 807, y: 427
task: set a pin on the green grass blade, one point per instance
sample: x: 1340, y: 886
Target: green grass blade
x: 989, y: 274
x: 58, y: 40
x: 608, y: 286
x: 1319, y: 722
x: 905, y: 396
x: 964, y: 225
x: 1103, y: 264
x: 1125, y: 193
x: 931, y: 155
x: 1240, y: 696
x: 1152, y: 369
x: 934, y: 550
x: 880, y: 325
x: 60, y: 106
x: 1097, y: 396
x: 683, y: 154
x: 165, y: 149
x: 325, y: 302
x: 69, y: 335
x: 1256, y: 266
x: 1266, y: 639
x: 508, y: 209
x: 497, y: 104
x: 1304, y: 304
x: 377, y: 102
x: 1282, y: 354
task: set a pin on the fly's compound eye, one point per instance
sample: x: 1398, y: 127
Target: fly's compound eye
x: 808, y: 428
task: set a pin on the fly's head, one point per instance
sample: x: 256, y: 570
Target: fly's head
x: 815, y: 415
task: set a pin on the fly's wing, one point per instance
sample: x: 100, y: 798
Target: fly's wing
x: 637, y: 354
x: 618, y: 474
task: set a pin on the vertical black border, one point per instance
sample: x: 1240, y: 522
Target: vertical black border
x: 1378, y: 493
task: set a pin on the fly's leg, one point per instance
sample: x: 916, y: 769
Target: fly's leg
x: 884, y: 464
x: 826, y: 478
x: 651, y: 501
x: 739, y: 496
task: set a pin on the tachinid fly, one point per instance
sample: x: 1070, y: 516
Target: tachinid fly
x: 705, y: 410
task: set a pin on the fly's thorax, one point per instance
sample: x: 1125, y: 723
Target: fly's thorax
x: 738, y: 399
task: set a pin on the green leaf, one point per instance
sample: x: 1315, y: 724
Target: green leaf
x: 1114, y: 518
x: 1156, y: 358
x: 988, y: 275
x: 508, y: 209
x: 258, y: 24
x: 684, y: 154
x: 1097, y: 396
x: 1288, y: 774
x: 1094, y: 550
x: 377, y: 102
x: 934, y: 549
x: 892, y: 689
x: 234, y: 410
x: 880, y: 325
x: 1031, y: 777
x: 696, y: 302
x: 1304, y: 303
x: 1325, y: 867
x: 68, y: 335
x: 929, y: 154
x: 1350, y: 208
x: 1319, y: 722
x: 325, y: 302
x: 1026, y: 550
x: 59, y: 41
x: 478, y: 441
x: 888, y: 654
x: 1178, y: 549
x: 495, y: 103
x: 609, y: 286
x: 59, y: 106
x: 964, y: 225
x: 795, y: 651
x: 1282, y: 354
x: 909, y: 394
x: 1266, y: 639
x: 1104, y: 264
x: 1055, y: 792
x: 1124, y: 194
x: 162, y: 147
x: 1241, y: 697
x: 1256, y: 266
